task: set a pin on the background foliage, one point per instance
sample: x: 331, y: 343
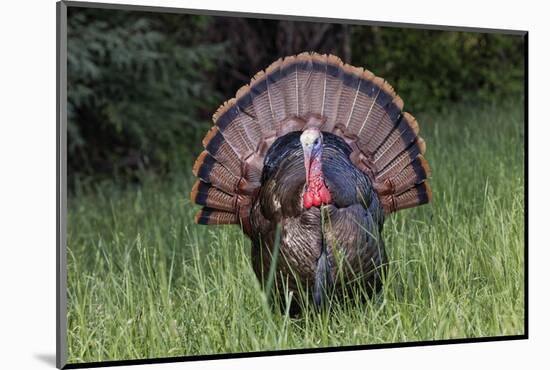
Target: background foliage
x: 142, y: 86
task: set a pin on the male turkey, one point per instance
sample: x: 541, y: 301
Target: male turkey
x: 312, y: 154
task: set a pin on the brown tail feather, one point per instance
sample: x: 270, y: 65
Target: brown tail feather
x: 363, y: 103
x: 209, y: 170
x: 332, y: 92
x: 397, y: 141
x: 233, y: 127
x: 248, y: 121
x: 349, y: 95
x: 398, y: 163
x: 273, y: 86
x: 418, y: 195
x: 262, y: 104
x: 303, y: 81
x: 215, y: 144
x: 414, y: 173
x: 209, y: 216
x: 289, y: 85
x: 206, y: 195
x: 296, y: 92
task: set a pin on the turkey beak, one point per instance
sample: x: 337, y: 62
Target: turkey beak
x: 307, y: 159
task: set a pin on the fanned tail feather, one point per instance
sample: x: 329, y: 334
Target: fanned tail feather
x: 209, y: 216
x: 273, y: 86
x: 417, y: 195
x: 207, y: 195
x: 297, y: 92
x: 333, y: 92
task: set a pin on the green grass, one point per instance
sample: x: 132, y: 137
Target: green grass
x: 144, y: 281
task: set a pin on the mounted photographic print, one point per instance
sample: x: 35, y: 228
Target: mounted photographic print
x: 241, y: 185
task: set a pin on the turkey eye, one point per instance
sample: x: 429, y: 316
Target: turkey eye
x: 316, y: 142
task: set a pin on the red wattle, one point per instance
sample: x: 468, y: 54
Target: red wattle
x: 316, y: 197
x: 316, y: 192
x: 324, y: 195
x: 316, y: 200
x: 308, y: 200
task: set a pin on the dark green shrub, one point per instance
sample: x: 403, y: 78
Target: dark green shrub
x: 138, y: 89
x: 432, y: 69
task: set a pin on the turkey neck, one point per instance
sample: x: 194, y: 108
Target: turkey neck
x: 315, y: 178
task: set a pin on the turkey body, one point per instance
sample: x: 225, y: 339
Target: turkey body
x: 353, y: 221
x: 308, y: 159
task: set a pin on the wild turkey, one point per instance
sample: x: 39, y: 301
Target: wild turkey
x: 323, y: 150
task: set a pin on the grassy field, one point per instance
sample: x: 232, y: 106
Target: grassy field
x: 144, y: 281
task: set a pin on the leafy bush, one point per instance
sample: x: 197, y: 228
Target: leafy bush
x: 137, y: 90
x: 433, y: 69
